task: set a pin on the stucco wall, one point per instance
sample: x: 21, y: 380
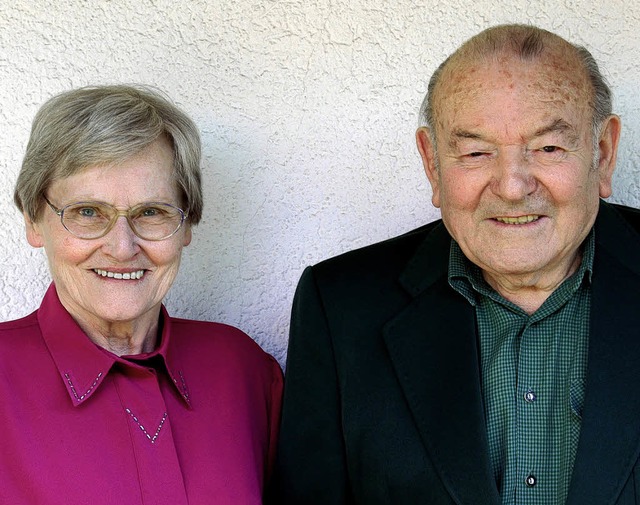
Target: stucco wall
x: 307, y: 112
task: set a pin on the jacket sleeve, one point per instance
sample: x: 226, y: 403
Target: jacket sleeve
x: 311, y: 464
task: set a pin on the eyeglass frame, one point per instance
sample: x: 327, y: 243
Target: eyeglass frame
x: 126, y: 213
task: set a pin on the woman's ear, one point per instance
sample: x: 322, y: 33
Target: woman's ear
x: 34, y: 235
x: 187, y: 235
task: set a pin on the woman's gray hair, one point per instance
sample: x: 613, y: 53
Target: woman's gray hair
x: 99, y: 125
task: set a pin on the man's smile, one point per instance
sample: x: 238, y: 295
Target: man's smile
x: 519, y: 219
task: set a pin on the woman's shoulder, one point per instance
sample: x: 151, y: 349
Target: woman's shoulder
x: 218, y: 341
x: 209, y: 332
x: 24, y: 325
x: 21, y: 339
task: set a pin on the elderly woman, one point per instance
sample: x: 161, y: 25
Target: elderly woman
x: 106, y: 399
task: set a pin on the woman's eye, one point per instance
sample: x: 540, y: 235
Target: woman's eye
x: 87, y: 212
x: 149, y: 212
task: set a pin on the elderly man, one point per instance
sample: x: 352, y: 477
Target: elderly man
x: 491, y: 357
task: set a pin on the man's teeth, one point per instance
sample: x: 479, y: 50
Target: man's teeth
x: 518, y: 220
x: 117, y: 275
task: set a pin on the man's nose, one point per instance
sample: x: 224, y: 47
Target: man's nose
x: 513, y: 178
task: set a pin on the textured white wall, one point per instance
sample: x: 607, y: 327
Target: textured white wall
x: 307, y: 112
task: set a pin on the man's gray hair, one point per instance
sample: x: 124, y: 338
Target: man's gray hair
x: 527, y: 42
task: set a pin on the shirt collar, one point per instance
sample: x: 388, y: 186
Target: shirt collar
x: 83, y: 365
x: 466, y: 277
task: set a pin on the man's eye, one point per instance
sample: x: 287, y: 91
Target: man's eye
x: 550, y: 149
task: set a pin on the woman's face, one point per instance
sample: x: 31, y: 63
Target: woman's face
x: 81, y: 268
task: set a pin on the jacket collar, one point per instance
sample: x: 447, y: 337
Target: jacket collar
x: 609, y: 443
x: 440, y: 376
x: 430, y: 262
x: 83, y: 366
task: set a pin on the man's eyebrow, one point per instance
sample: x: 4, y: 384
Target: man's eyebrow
x: 465, y: 134
x: 558, y: 126
x: 459, y: 134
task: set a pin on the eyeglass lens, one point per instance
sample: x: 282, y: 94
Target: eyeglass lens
x: 151, y: 221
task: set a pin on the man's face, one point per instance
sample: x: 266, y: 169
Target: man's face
x: 515, y: 176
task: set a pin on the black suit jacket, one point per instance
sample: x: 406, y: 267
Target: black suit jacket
x: 382, y: 391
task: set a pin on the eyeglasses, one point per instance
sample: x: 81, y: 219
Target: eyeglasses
x: 92, y: 220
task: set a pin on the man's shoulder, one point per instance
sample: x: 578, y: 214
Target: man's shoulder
x: 390, y: 255
x: 375, y: 281
x: 618, y: 227
x: 630, y: 214
x: 617, y: 232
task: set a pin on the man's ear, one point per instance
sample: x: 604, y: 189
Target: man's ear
x: 608, y: 146
x: 427, y: 153
x: 34, y: 235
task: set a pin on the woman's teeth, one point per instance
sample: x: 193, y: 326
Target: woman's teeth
x: 119, y: 275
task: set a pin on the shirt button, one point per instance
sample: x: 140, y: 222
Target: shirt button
x: 530, y: 396
x: 531, y: 480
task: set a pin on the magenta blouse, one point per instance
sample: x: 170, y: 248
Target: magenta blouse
x: 195, y: 422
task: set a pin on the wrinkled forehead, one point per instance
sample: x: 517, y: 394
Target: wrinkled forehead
x: 554, y: 79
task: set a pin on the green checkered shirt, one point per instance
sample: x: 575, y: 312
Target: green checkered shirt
x: 533, y: 373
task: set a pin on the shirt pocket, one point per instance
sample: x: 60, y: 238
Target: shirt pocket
x: 576, y: 397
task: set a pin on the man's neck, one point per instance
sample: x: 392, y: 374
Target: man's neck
x: 530, y: 291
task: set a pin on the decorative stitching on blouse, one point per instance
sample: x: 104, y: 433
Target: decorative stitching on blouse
x: 183, y: 389
x: 153, y: 438
x: 73, y: 388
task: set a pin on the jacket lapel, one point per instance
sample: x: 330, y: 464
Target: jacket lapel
x: 432, y: 345
x: 610, y: 435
